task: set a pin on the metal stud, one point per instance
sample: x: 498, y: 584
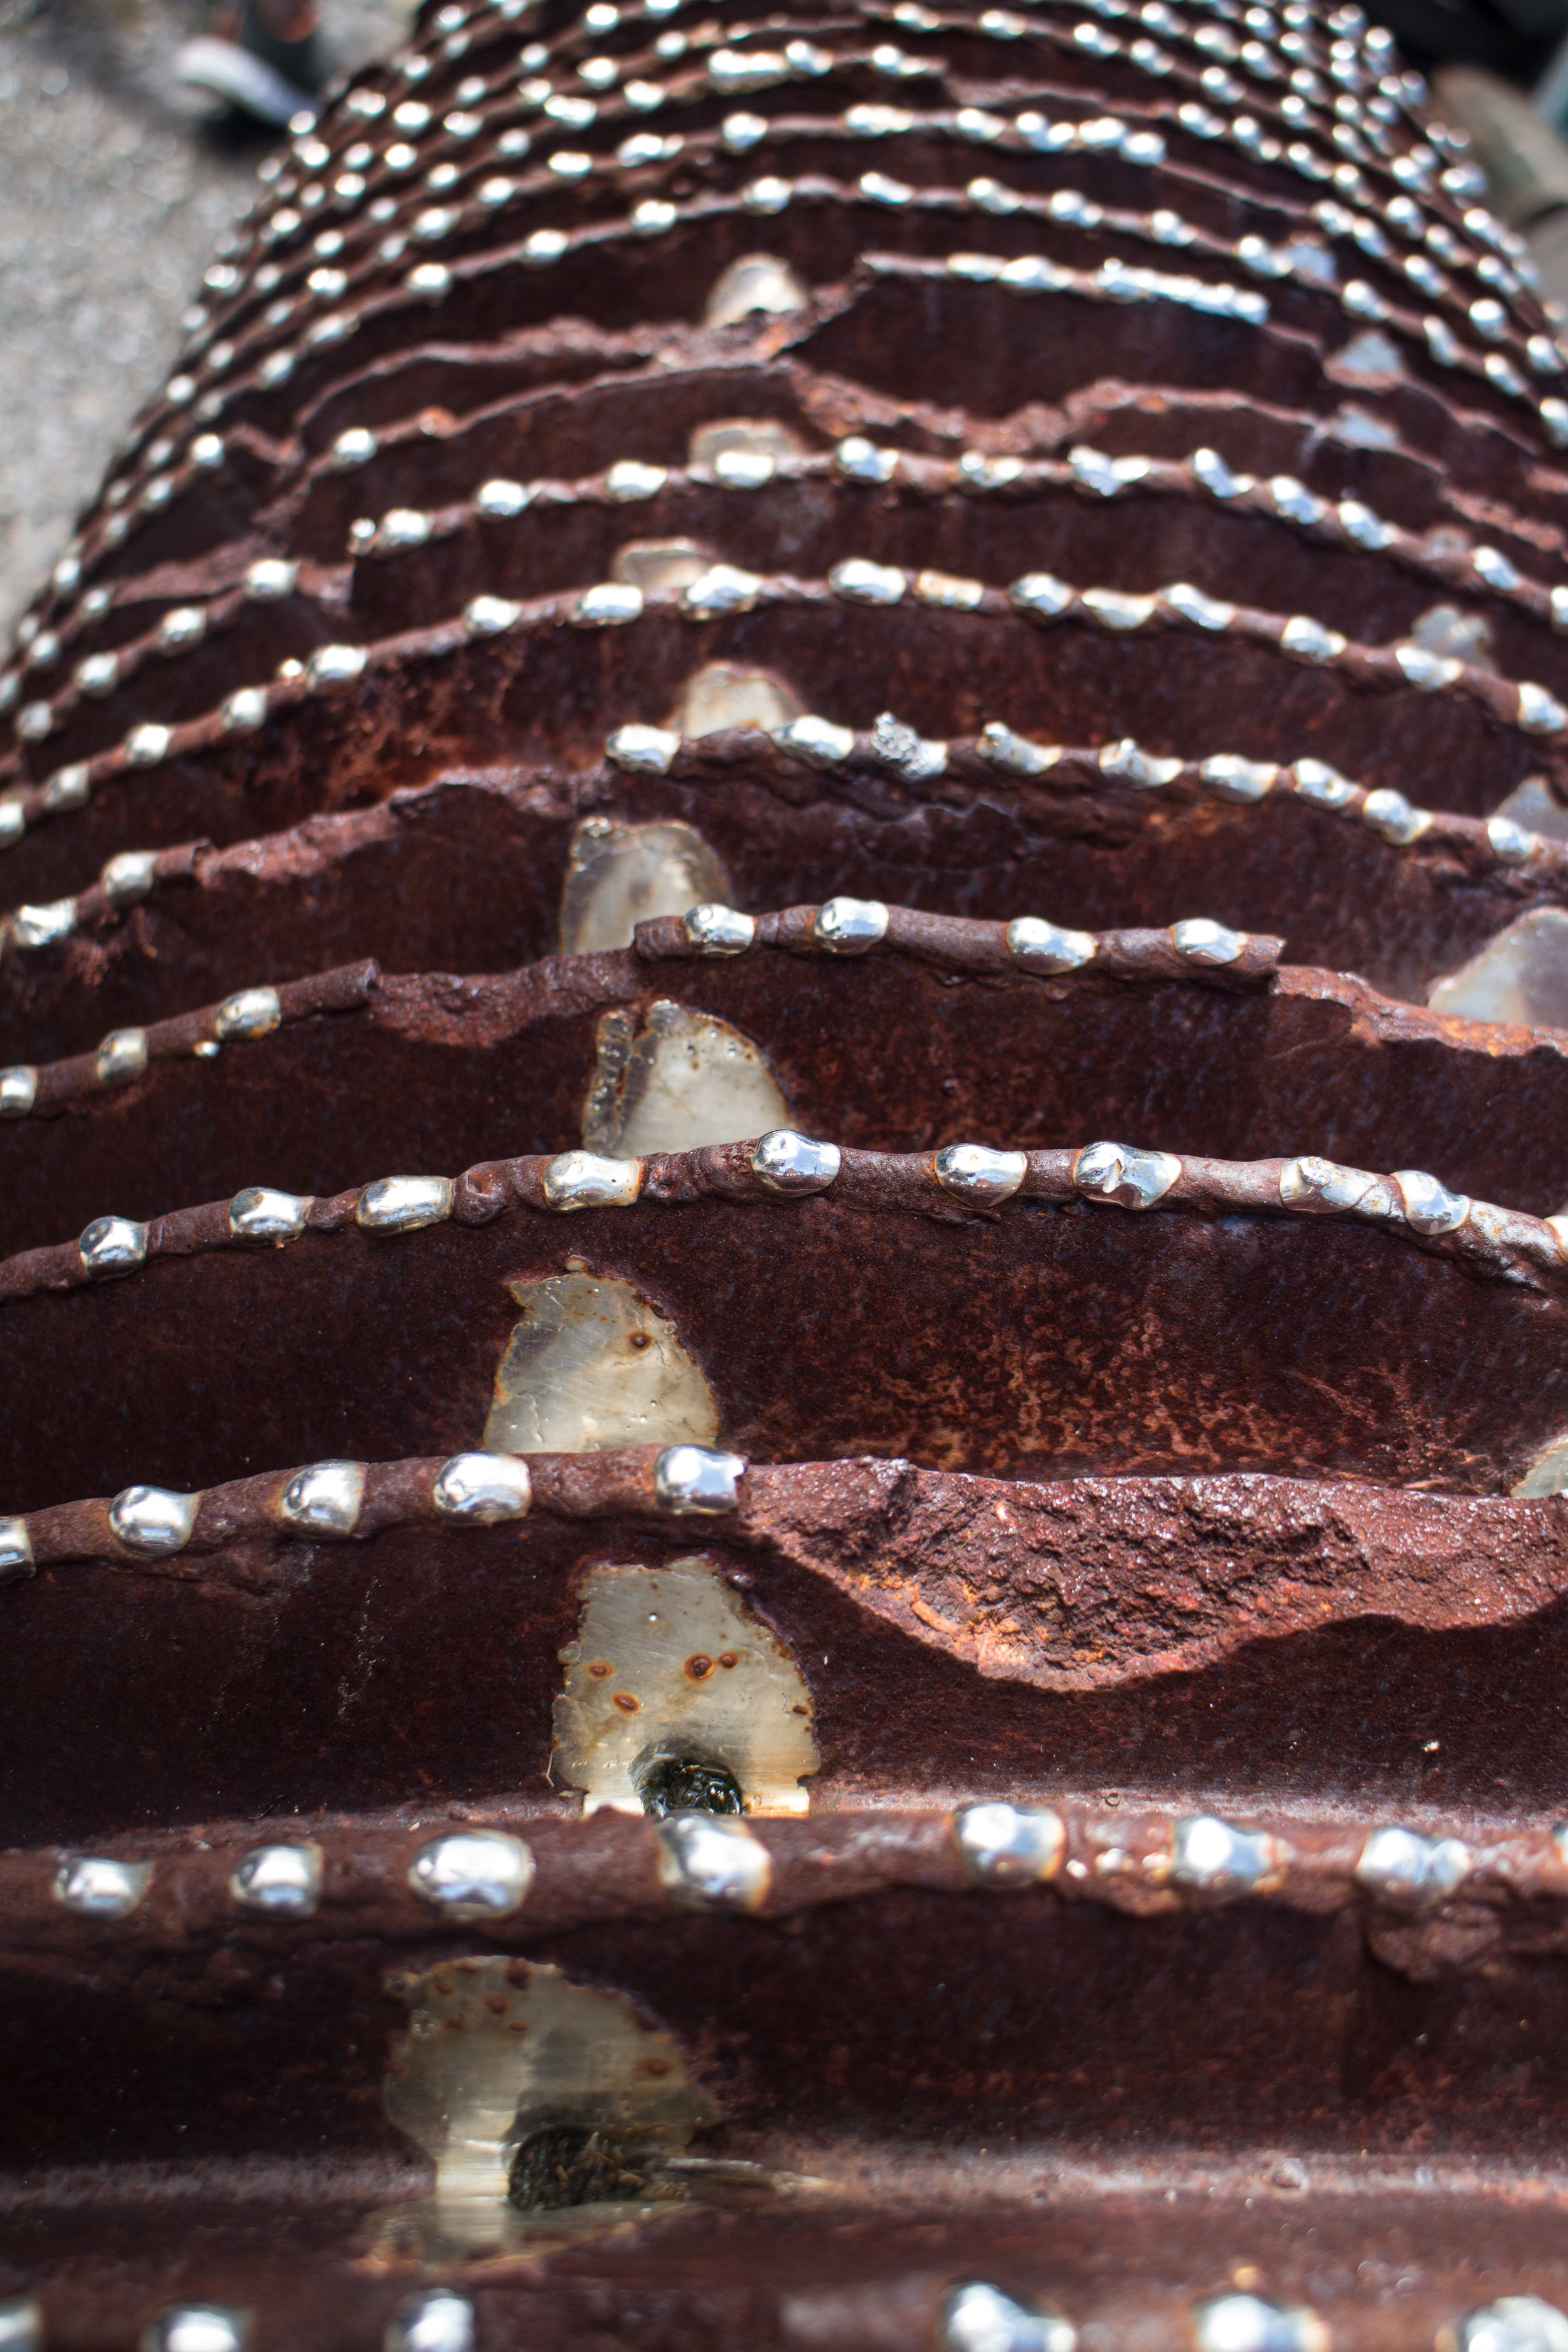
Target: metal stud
x: 197, y: 2327
x: 1203, y: 612
x: 249, y: 1012
x: 1039, y: 946
x: 436, y: 2321
x: 849, y: 926
x: 1403, y: 1866
x: 473, y: 1874
x: 815, y: 742
x: 1202, y: 942
x: 1515, y: 2322
x: 1511, y: 843
x: 243, y: 711
x: 21, y: 2324
x: 694, y: 1481
x: 715, y: 930
x: 323, y: 1500
x: 1117, y: 1172
x: 271, y: 578
x: 1235, y: 779
x: 898, y: 746
x: 1309, y: 641
x: 583, y: 1180
x: 18, y: 1090
x: 859, y: 581
x: 262, y: 1214
x: 860, y: 460
x: 1247, y: 2323
x: 43, y: 926
x: 978, y: 2318
x: 982, y: 1178
x: 1000, y: 744
x: 1321, y: 1186
x: 1211, y: 1857
x: 401, y: 1204
x: 1113, y: 610
x: 129, y: 877
x: 609, y: 605
x: 17, y: 1561
x: 721, y: 589
x: 787, y: 1162
x: 1540, y: 713
x: 629, y: 479
x: 1315, y: 780
x: 333, y: 667
x: 1011, y: 1846
x: 484, y: 1488
x: 709, y: 1861
x: 284, y: 1880
x: 500, y: 500
x: 111, y: 1246
x: 146, y: 745
x: 122, y: 1057
x: 490, y: 617
x: 152, y: 1520
x: 1131, y: 764
x: 1430, y: 1206
x: 94, y: 1888
x: 643, y: 751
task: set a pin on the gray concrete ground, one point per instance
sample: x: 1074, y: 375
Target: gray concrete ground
x: 114, y: 191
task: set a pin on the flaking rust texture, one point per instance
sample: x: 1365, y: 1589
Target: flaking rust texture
x: 783, y: 1229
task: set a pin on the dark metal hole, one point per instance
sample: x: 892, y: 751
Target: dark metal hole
x: 568, y: 2164
x: 684, y: 1784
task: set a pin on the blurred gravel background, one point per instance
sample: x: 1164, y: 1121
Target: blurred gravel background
x: 113, y: 190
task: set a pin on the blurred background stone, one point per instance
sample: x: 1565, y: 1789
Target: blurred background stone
x: 114, y: 188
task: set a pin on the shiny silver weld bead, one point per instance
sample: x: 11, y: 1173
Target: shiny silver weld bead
x: 1316, y: 780
x: 1249, y: 2322
x: 1201, y: 941
x: 787, y: 1162
x: 1038, y: 946
x: 849, y: 926
x: 401, y: 1204
x: 110, y: 1246
x: 1515, y: 2322
x: 93, y: 1887
x: 585, y: 1179
x: 324, y: 1499
x: 18, y: 1090
x: 1403, y: 1866
x: 978, y: 2318
x: 1430, y: 1206
x: 271, y: 578
x: 1010, y: 1845
x: 333, y: 667
x: 973, y: 1173
x: 1210, y: 1857
x: 713, y: 930
x: 17, y: 1561
x: 643, y: 751
x: 1119, y: 1173
x: 859, y: 581
x: 1511, y: 843
x: 260, y: 1214
x: 120, y: 1058
x: 439, y: 2321
x: 1392, y: 816
x: 129, y: 877
x: 473, y: 1874
x: 284, y: 1881
x: 707, y: 1861
x: 815, y: 742
x: 249, y: 1012
x: 21, y: 2324
x: 483, y: 1488
x: 153, y: 1520
x: 694, y: 1481
x: 1235, y: 779
x: 197, y: 2327
x: 1321, y: 1186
